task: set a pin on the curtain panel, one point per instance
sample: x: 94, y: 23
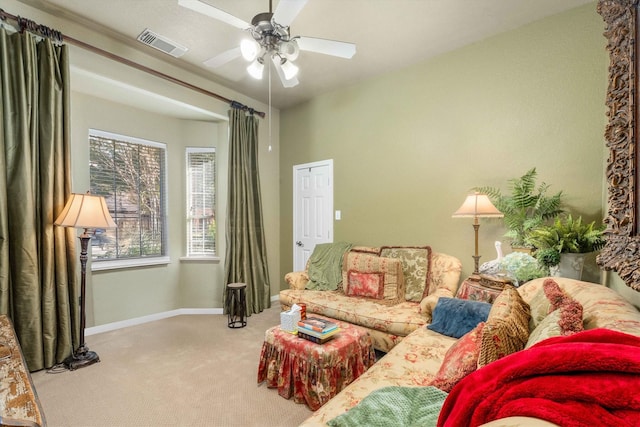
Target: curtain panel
x: 38, y: 281
x: 246, y: 254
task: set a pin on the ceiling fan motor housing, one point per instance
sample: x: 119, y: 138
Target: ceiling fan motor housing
x: 267, y: 33
x: 262, y: 22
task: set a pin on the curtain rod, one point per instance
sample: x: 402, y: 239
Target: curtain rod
x: 41, y: 30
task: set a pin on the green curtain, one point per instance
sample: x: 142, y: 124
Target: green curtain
x: 246, y: 255
x: 37, y: 261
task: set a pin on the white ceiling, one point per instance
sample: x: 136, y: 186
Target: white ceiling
x: 389, y: 34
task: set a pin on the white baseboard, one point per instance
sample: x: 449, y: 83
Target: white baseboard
x: 150, y: 318
x: 157, y: 316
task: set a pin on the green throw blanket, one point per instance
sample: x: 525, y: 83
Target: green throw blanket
x: 395, y: 406
x: 325, y: 266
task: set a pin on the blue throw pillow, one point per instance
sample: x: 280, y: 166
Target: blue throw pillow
x: 455, y: 317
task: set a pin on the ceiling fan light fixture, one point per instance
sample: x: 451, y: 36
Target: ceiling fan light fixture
x: 289, y: 49
x: 256, y: 68
x: 249, y: 49
x: 270, y: 38
x: 289, y: 69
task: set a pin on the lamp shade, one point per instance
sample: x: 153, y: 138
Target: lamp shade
x: 255, y: 69
x: 289, y: 69
x: 85, y: 211
x: 477, y: 205
x: 249, y: 49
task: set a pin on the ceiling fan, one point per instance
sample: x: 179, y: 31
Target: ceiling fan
x: 271, y: 39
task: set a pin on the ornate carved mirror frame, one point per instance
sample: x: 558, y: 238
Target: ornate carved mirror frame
x: 622, y: 251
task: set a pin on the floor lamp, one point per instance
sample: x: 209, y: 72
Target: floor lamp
x: 84, y: 211
x: 476, y: 206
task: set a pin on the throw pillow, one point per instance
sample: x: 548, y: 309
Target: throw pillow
x: 369, y: 285
x: 540, y: 308
x: 507, y: 327
x: 460, y: 360
x: 372, y: 263
x: 547, y: 328
x: 416, y: 268
x: 455, y: 317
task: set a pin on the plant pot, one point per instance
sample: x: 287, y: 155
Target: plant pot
x: 570, y: 266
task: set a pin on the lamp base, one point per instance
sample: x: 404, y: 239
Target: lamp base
x: 476, y: 263
x: 80, y: 360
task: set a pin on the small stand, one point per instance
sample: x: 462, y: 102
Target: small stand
x: 235, y: 305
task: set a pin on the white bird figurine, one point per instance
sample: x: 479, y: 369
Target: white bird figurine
x: 492, y: 267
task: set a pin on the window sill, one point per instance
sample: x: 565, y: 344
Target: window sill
x: 129, y: 263
x: 203, y: 259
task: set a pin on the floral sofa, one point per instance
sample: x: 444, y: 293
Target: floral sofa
x: 417, y: 360
x: 404, y: 279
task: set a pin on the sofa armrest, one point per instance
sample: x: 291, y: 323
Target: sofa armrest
x: 445, y: 279
x: 445, y: 273
x: 297, y: 280
x: 429, y: 302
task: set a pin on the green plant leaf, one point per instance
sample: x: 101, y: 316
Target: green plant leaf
x: 526, y: 208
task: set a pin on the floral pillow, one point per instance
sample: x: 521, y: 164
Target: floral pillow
x: 460, y: 360
x: 370, y: 285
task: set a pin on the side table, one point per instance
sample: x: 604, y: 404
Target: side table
x: 236, y: 305
x: 482, y: 287
x: 314, y: 373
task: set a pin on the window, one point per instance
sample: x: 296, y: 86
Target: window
x: 130, y: 173
x: 201, y: 196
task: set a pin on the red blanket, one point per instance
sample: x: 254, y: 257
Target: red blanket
x: 591, y: 378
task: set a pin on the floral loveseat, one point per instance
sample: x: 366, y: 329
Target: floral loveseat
x: 418, y: 361
x: 406, y: 278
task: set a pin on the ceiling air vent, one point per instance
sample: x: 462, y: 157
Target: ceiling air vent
x: 159, y: 42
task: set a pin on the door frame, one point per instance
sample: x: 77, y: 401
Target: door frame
x: 329, y: 219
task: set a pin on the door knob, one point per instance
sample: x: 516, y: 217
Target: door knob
x: 299, y: 243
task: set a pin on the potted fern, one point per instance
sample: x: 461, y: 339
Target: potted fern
x: 526, y: 208
x: 563, y: 245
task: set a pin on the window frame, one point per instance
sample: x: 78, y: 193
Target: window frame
x: 142, y: 261
x: 200, y: 257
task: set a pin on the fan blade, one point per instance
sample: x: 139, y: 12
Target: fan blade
x: 287, y: 11
x: 286, y: 83
x: 214, y: 12
x: 327, y: 47
x: 223, y: 58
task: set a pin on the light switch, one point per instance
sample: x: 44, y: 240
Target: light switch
x: 338, y: 215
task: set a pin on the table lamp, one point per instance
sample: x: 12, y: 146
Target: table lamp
x: 84, y: 211
x: 476, y: 206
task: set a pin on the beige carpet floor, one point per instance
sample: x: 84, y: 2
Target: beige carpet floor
x: 189, y: 370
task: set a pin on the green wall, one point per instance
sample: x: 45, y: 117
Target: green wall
x: 408, y: 146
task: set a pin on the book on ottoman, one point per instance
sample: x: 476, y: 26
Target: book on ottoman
x: 317, y: 337
x: 317, y: 324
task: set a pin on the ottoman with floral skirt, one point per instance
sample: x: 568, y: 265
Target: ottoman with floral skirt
x: 314, y: 373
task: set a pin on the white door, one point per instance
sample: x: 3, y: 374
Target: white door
x: 312, y: 209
